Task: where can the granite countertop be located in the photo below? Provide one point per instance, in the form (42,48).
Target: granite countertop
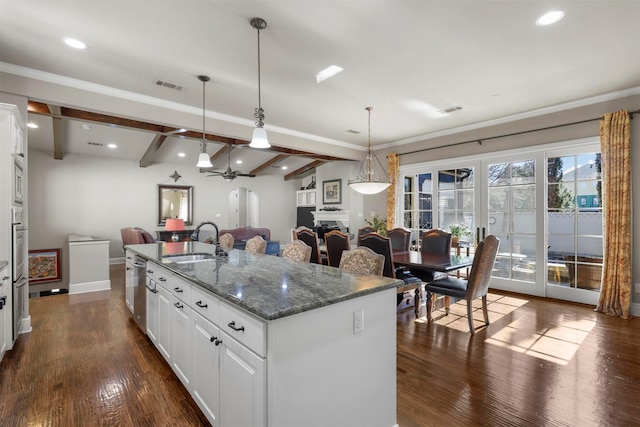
(268,286)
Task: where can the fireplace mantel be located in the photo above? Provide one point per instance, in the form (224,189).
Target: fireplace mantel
(342,216)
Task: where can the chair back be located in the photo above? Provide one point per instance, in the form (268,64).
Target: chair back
(362,260)
(380,245)
(436,241)
(483,261)
(297,251)
(226,241)
(310,237)
(364,231)
(336,242)
(400,239)
(256,245)
(131,236)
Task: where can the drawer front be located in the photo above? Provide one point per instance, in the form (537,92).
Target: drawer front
(205,304)
(153,271)
(180,289)
(244,328)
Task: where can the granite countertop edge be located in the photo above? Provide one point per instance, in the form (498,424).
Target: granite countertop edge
(265,285)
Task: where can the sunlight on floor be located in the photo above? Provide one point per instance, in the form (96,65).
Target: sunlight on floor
(556,342)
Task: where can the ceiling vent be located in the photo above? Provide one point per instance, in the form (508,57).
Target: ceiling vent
(168,85)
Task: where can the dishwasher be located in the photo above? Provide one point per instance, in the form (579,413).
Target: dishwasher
(140,292)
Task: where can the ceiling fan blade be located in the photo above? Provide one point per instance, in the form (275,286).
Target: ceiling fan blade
(215,173)
(250,175)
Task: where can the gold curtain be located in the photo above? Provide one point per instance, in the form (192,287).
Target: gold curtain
(393,170)
(615,141)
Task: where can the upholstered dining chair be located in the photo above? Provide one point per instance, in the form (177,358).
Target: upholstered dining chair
(476,286)
(364,231)
(382,245)
(336,241)
(310,237)
(400,239)
(297,251)
(256,245)
(434,241)
(226,241)
(362,260)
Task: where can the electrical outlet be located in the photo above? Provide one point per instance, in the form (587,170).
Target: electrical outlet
(358,321)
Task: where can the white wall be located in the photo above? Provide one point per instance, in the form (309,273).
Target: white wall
(97,197)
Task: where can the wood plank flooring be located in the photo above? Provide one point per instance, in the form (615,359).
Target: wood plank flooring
(540,363)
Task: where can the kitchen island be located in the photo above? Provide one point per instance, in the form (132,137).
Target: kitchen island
(264,341)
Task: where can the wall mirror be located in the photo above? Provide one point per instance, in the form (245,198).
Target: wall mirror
(175,201)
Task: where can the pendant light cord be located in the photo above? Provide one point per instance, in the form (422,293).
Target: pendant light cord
(259,86)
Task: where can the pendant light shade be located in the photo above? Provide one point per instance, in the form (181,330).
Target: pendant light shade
(259,139)
(370,177)
(204,161)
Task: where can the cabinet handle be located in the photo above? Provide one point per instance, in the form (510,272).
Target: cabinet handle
(233,326)
(177,289)
(212,339)
(150,271)
(162,279)
(178,305)
(218,342)
(128,257)
(3,301)
(128,268)
(200,304)
(5,278)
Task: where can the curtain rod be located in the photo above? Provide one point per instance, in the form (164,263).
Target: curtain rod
(480,140)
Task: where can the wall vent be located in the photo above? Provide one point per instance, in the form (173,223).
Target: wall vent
(168,85)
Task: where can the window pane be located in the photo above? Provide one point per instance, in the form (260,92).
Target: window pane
(560,245)
(446,179)
(465,199)
(499,174)
(590,247)
(590,223)
(560,196)
(408,184)
(523,172)
(446,200)
(524,197)
(560,169)
(464,178)
(588,166)
(500,223)
(499,198)
(425,183)
(524,221)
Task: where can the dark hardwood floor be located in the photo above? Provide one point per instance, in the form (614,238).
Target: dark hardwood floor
(540,363)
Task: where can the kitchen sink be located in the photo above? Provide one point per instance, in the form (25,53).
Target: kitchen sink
(189,258)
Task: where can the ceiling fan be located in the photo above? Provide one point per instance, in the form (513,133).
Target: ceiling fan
(229,175)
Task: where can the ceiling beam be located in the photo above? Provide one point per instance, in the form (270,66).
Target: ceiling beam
(304,170)
(270,162)
(148,155)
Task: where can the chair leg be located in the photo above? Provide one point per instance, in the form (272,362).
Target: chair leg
(416,302)
(484,310)
(447,304)
(470,318)
(429,306)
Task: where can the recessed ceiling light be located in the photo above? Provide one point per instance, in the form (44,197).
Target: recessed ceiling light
(328,72)
(112,145)
(86,126)
(32,125)
(239,162)
(181,154)
(284,168)
(74,43)
(550,18)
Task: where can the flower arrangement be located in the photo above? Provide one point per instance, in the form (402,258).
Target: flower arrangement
(459,230)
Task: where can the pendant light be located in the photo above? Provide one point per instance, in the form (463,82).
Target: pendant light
(259,139)
(370,178)
(204,161)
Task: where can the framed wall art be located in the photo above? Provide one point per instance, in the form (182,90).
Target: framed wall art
(44,266)
(332,192)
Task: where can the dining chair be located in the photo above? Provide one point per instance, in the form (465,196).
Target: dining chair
(297,251)
(226,241)
(362,260)
(400,239)
(476,286)
(434,241)
(363,231)
(336,241)
(256,245)
(382,245)
(310,237)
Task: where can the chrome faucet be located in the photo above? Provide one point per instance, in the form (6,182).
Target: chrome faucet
(194,237)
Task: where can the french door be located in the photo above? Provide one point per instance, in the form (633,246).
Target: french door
(542,204)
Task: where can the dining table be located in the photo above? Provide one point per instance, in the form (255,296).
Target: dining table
(416,260)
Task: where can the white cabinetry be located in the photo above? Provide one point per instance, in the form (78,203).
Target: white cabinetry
(206,367)
(306,197)
(5,311)
(129,280)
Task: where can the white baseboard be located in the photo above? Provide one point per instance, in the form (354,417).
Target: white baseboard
(81,288)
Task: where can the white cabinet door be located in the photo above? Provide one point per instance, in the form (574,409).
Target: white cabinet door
(164,330)
(242,385)
(206,367)
(152,311)
(181,324)
(129,278)
(5,311)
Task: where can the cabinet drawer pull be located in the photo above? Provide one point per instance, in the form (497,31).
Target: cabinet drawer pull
(162,279)
(233,326)
(218,342)
(155,291)
(200,304)
(215,340)
(150,271)
(128,268)
(177,289)
(178,305)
